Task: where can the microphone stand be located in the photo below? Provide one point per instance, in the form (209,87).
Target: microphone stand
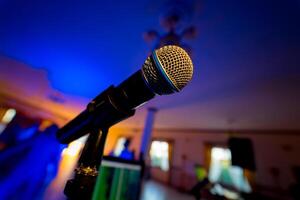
(97,125)
(83,183)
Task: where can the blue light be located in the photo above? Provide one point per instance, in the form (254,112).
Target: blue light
(84,47)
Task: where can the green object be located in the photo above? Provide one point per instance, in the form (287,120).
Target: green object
(200,173)
(118,181)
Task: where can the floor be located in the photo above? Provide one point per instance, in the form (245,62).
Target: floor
(156,191)
(152,190)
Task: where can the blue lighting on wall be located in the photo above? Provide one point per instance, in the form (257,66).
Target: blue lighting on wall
(84,47)
(87,46)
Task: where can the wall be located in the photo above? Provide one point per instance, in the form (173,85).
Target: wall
(279,149)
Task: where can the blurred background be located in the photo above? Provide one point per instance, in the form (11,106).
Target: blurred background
(232,133)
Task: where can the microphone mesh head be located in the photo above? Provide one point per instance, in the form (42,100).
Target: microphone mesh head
(177,65)
(168,70)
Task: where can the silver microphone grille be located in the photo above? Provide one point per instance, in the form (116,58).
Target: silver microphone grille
(168,70)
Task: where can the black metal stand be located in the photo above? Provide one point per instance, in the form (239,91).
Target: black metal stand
(111,106)
(82,186)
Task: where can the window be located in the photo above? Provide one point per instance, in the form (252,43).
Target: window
(222,171)
(159,155)
(119,146)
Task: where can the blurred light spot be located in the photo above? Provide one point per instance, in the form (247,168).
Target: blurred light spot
(74,147)
(9,115)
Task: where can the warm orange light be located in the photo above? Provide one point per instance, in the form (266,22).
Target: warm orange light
(45,124)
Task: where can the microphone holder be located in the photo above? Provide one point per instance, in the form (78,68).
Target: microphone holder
(86,172)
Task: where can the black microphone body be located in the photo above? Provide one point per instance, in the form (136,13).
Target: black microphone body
(110,107)
(166,71)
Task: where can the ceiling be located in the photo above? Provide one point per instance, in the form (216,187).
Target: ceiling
(57,55)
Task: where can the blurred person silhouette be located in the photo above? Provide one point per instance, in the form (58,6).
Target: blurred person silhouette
(8,136)
(126,153)
(202,179)
(12,139)
(18,130)
(35,170)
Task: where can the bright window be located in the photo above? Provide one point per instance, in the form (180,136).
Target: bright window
(119,146)
(222,171)
(159,155)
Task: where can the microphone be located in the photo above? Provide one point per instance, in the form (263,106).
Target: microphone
(166,71)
